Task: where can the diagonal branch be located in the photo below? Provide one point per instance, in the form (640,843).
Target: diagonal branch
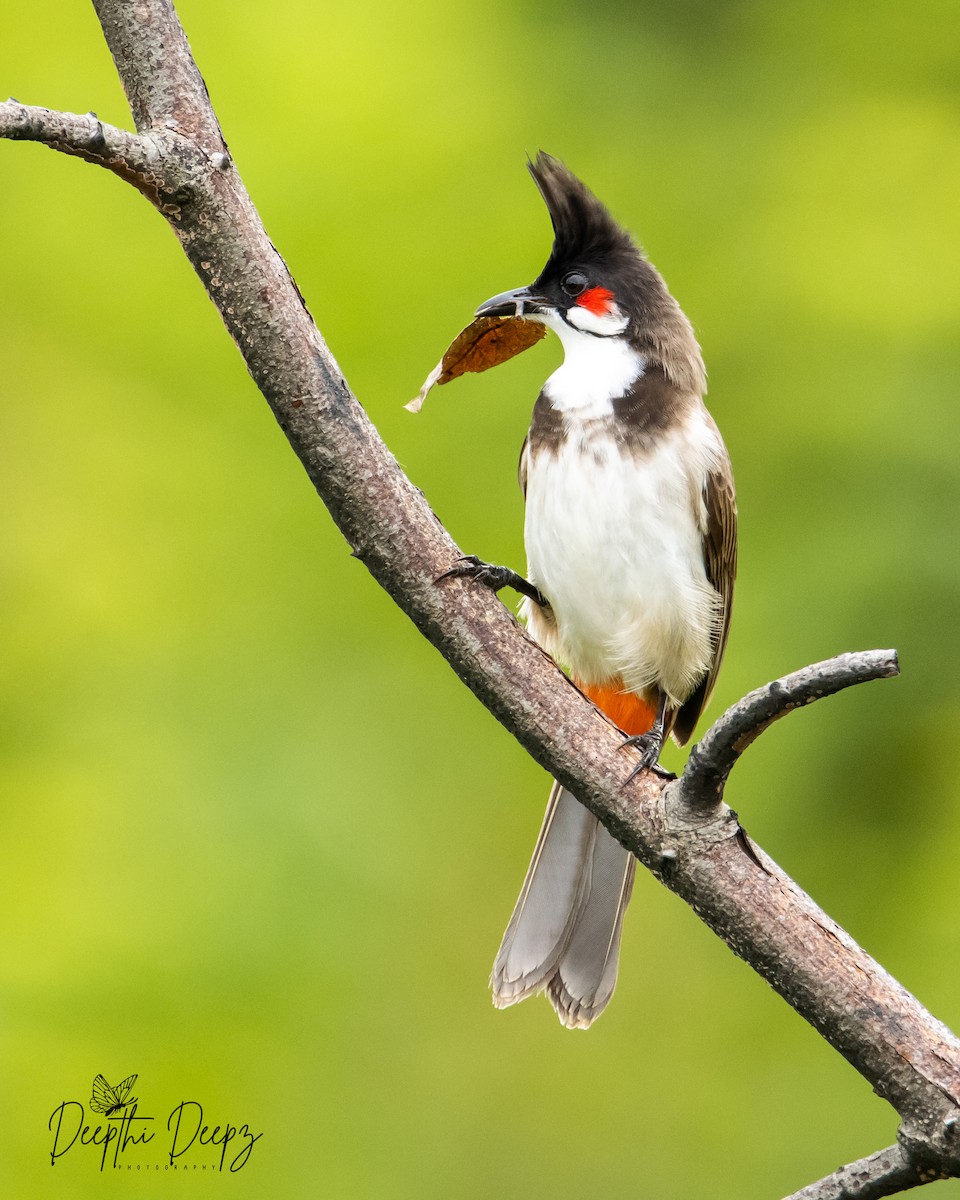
(699,852)
(163,86)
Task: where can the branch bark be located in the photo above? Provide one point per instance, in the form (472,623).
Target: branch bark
(882,1174)
(682,831)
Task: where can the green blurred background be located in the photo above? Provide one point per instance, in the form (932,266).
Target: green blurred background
(259,844)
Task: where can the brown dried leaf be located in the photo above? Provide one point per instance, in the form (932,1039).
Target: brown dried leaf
(485,343)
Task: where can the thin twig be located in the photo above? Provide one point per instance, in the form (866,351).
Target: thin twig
(83,135)
(714,756)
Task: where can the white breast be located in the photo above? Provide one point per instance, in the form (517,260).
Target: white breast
(595,369)
(614,540)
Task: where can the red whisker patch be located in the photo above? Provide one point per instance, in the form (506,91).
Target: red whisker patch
(598,300)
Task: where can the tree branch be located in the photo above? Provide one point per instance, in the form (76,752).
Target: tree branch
(695,847)
(882,1174)
(713,758)
(160,79)
(131,157)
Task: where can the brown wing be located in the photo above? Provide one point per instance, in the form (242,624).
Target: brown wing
(522,466)
(720,560)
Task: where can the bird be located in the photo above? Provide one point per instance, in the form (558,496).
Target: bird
(630,531)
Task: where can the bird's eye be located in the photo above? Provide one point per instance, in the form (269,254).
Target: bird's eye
(573,283)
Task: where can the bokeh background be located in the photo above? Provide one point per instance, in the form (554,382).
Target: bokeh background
(258,843)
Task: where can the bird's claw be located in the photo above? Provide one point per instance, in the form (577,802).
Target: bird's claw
(469,566)
(650,745)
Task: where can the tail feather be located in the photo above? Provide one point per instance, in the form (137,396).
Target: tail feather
(551,896)
(587,973)
(564,934)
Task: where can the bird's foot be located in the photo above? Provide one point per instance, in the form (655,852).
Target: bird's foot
(493,577)
(650,745)
(472,567)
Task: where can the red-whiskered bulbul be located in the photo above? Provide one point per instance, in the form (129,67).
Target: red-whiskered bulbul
(631,540)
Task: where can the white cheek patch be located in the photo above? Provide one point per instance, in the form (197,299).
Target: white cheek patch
(609,324)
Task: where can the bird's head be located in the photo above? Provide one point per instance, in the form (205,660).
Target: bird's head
(597,283)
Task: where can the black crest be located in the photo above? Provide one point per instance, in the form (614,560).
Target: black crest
(583,229)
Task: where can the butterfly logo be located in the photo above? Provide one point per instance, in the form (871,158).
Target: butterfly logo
(110,1100)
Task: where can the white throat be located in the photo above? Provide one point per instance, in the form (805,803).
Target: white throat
(596,370)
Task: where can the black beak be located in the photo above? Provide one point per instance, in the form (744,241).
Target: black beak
(521,302)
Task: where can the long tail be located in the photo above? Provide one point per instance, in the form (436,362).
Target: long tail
(564,934)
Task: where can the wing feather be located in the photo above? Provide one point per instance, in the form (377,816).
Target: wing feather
(720,560)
